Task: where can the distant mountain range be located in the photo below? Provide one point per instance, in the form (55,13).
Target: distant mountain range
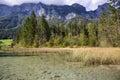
(11,16)
(63,11)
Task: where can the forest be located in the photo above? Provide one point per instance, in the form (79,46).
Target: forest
(104,32)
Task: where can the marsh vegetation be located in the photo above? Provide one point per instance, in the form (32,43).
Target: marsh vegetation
(87,56)
(53,66)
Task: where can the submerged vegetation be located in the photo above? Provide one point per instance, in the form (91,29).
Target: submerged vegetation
(53,67)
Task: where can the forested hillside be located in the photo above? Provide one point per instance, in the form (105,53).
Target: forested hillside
(9,25)
(105,32)
(14,16)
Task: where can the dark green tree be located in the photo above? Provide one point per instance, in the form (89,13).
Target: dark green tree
(114,27)
(83,39)
(92,34)
(103,25)
(43,30)
(28,31)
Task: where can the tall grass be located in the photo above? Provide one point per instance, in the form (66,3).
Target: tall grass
(34,51)
(86,56)
(96,56)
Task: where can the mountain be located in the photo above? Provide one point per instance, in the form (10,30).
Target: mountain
(63,11)
(11,16)
(117,4)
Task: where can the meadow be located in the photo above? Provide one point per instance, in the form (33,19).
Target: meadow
(5,43)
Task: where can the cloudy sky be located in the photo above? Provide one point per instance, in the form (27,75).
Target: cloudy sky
(89,4)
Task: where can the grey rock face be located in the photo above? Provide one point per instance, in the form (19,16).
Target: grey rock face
(63,11)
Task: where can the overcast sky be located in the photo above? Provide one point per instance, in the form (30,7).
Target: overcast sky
(89,4)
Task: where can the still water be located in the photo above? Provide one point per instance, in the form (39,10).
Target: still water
(51,68)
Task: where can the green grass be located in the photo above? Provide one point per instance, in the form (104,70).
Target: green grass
(6,43)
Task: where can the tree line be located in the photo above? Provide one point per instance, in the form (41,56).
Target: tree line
(103,33)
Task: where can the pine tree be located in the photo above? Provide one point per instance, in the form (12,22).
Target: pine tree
(25,33)
(103,25)
(109,26)
(92,36)
(83,39)
(43,30)
(32,28)
(28,31)
(114,28)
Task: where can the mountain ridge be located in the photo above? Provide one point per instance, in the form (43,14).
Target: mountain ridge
(48,10)
(12,16)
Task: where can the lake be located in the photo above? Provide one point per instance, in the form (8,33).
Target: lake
(47,67)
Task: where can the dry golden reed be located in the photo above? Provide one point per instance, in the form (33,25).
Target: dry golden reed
(87,56)
(96,56)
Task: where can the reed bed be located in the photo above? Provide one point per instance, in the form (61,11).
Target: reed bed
(96,56)
(33,51)
(87,56)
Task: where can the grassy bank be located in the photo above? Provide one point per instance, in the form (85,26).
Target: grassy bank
(87,56)
(96,56)
(5,43)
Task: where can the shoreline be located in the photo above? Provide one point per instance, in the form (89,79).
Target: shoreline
(17,51)
(88,56)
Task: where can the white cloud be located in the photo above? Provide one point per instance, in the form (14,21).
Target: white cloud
(89,4)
